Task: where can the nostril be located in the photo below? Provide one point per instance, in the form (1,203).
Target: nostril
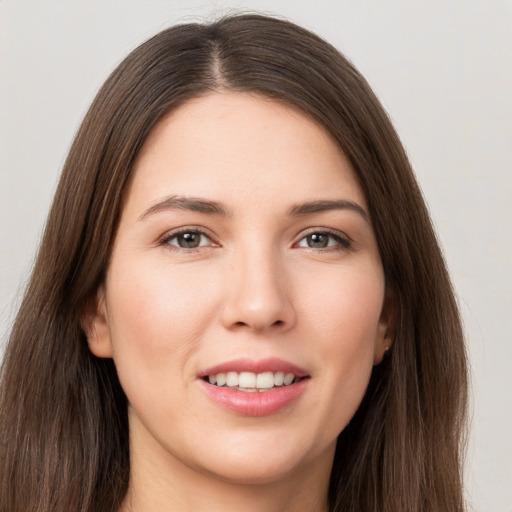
(277,323)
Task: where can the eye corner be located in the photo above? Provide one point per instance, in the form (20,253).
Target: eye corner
(321,239)
(192,239)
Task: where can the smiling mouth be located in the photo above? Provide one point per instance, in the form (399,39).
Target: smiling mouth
(253,382)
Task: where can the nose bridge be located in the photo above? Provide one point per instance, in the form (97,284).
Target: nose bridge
(258,290)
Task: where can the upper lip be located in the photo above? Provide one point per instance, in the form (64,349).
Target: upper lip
(271,364)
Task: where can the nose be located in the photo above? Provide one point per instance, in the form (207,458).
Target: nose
(258,293)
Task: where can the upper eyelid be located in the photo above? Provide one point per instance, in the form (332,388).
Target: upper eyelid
(324,230)
(343,241)
(186,229)
(304,233)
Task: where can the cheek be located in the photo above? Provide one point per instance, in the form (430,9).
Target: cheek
(156,316)
(344,326)
(345,305)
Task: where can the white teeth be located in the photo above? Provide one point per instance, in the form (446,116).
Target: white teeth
(265,380)
(249,381)
(232,379)
(288,378)
(278,378)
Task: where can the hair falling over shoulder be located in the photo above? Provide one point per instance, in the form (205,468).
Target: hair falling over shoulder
(63,414)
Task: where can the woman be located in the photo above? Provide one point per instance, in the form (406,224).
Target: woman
(239,300)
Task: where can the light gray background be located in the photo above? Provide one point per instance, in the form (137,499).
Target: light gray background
(442,69)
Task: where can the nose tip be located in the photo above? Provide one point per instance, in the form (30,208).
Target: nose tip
(258,319)
(258,298)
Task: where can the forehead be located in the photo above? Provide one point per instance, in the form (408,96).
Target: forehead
(242,149)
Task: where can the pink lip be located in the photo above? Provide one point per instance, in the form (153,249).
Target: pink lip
(271,364)
(257,403)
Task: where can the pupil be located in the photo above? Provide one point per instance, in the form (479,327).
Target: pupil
(318,240)
(189,240)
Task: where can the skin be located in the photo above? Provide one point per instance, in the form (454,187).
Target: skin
(253,288)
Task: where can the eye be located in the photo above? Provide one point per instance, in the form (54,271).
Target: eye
(323,240)
(188,239)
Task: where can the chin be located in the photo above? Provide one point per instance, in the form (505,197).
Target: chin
(245,472)
(267,464)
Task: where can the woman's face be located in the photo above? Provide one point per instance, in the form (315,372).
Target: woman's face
(244,253)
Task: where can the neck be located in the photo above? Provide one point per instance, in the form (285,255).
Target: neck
(217,496)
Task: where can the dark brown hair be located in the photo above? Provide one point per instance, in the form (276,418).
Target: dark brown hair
(63,423)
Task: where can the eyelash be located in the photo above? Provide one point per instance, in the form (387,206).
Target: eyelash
(187,230)
(343,242)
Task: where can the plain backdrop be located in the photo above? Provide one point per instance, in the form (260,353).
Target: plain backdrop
(443,70)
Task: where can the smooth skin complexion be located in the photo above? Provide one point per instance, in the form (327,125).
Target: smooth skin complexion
(244,244)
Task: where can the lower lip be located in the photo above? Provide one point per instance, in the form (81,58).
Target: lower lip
(257,403)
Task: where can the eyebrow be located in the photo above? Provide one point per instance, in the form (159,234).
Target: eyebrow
(193,204)
(201,205)
(326,205)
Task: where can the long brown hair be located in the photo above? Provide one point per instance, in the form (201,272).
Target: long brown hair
(63,417)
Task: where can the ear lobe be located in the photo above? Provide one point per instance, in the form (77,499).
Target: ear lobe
(386,329)
(94,322)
